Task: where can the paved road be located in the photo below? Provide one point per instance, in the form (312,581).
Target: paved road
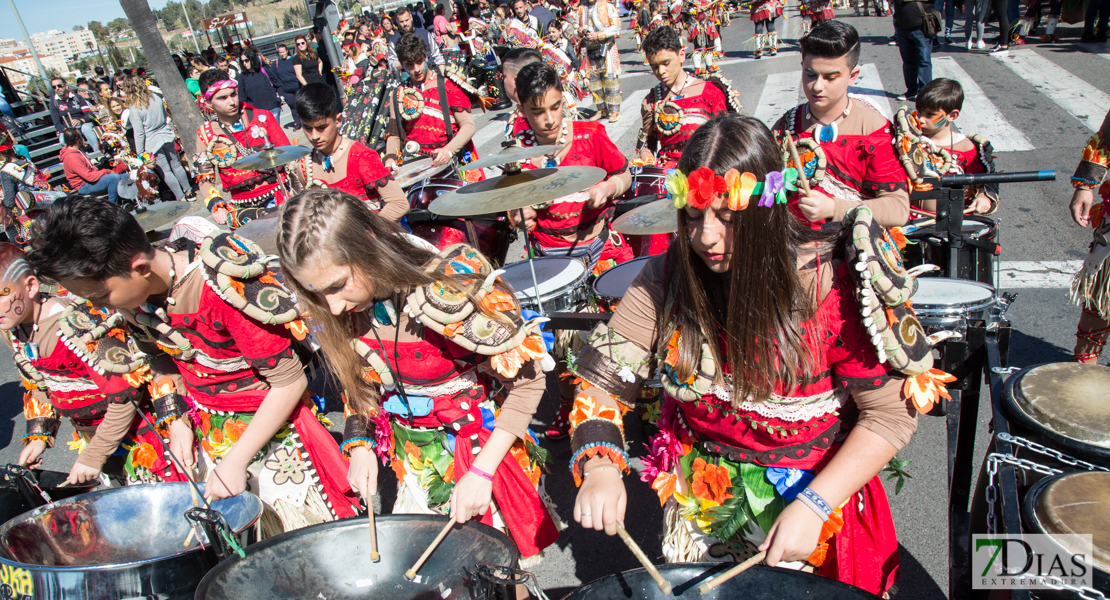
(1038,105)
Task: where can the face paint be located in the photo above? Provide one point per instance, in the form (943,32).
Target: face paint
(16,271)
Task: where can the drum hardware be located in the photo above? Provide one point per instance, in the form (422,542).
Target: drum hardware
(490,580)
(734,571)
(417,170)
(563,283)
(273,157)
(998,311)
(411,573)
(27,484)
(664,585)
(1005,370)
(215,527)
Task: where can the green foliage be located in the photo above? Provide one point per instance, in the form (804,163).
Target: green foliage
(537,454)
(732,517)
(896,469)
(294,17)
(99,31)
(118,25)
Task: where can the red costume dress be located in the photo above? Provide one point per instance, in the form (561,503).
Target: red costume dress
(667,124)
(591,147)
(73,369)
(854,162)
(232,331)
(420,113)
(253,193)
(365,174)
(707,44)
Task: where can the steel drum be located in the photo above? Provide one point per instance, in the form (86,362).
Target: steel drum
(124,542)
(757,583)
(332,560)
(18,497)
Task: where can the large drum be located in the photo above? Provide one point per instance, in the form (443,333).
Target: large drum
(1062,405)
(611,285)
(942,303)
(757,583)
(1074,503)
(647,181)
(332,560)
(973,263)
(129,542)
(492,235)
(562,283)
(22,490)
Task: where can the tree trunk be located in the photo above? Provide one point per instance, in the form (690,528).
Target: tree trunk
(185,114)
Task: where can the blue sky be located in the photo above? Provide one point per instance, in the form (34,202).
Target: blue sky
(59,14)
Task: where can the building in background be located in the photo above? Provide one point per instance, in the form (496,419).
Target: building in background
(66,44)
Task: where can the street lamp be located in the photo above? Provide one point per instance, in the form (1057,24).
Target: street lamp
(192,33)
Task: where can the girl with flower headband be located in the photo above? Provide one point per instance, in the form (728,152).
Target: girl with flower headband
(419,340)
(236,131)
(778,412)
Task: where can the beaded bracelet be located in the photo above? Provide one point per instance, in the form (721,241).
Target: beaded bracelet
(815,502)
(357,442)
(481,473)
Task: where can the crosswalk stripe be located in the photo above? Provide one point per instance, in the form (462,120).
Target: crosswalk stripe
(723,63)
(870,86)
(630,116)
(780,94)
(979,114)
(1080,99)
(487,134)
(1037,273)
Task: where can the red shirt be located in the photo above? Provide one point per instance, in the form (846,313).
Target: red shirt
(428,129)
(248,185)
(694,111)
(365,174)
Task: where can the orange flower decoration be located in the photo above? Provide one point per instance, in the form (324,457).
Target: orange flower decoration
(705,185)
(297,328)
(238,287)
(927,389)
(710,482)
(118,333)
(449,474)
(144,456)
(34,408)
(829,529)
(234,430)
(664,486)
(162,386)
(498,300)
(398,468)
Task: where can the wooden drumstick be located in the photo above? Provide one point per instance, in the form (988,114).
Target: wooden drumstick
(802,179)
(411,573)
(664,585)
(733,572)
(374,556)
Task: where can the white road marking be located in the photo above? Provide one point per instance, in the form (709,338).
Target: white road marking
(1079,98)
(731,61)
(979,114)
(780,94)
(870,86)
(489,133)
(1054,274)
(630,116)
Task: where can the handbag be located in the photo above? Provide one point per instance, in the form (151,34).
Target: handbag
(930,20)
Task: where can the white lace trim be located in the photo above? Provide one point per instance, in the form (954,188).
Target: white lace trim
(838,190)
(59,384)
(787,408)
(451,387)
(227,365)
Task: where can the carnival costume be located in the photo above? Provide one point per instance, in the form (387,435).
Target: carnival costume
(604,61)
(26,190)
(851,160)
(922,158)
(420,118)
(233,332)
(253,193)
(435,359)
(364,174)
(80,363)
(813,12)
(1091,286)
(707,43)
(668,122)
(1025,25)
(764,14)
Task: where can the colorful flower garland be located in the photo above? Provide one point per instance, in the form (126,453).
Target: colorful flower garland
(700,188)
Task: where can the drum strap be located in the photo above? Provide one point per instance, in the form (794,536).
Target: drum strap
(444,107)
(607,215)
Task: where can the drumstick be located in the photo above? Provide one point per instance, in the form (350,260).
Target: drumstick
(374,556)
(664,585)
(802,179)
(733,572)
(411,573)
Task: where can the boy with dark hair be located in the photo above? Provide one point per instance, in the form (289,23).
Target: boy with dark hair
(237,131)
(431,111)
(845,143)
(928,132)
(340,162)
(231,329)
(577,225)
(679,104)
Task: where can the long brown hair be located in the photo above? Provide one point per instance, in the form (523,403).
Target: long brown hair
(137,91)
(762,302)
(308,53)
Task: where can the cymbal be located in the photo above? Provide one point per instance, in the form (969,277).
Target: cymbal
(270,158)
(163,213)
(417,170)
(510,192)
(263,232)
(659,216)
(510,155)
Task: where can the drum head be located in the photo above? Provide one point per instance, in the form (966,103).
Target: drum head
(973,226)
(554,274)
(614,282)
(1069,403)
(417,170)
(945,296)
(1073,503)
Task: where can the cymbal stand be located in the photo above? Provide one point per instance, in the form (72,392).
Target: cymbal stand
(514,169)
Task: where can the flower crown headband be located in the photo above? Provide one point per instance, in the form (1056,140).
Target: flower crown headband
(215,88)
(700,188)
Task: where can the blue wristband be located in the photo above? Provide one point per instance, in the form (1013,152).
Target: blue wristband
(814,500)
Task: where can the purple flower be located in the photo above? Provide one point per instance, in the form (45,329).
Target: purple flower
(772,185)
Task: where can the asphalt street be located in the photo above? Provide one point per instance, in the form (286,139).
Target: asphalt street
(1039,104)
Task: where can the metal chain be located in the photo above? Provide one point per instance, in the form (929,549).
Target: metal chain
(993,460)
(1050,452)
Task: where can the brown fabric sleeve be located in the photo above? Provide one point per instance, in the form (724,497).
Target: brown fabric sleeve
(111,431)
(647,124)
(636,317)
(884,411)
(394,204)
(523,394)
(890,209)
(465,133)
(286,372)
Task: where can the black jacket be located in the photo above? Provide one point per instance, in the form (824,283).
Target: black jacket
(908,15)
(284,75)
(255,89)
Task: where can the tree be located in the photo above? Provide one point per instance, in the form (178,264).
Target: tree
(170,15)
(78,27)
(118,25)
(178,98)
(99,32)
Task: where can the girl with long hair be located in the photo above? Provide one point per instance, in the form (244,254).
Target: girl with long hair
(778,412)
(155,135)
(306,64)
(418,341)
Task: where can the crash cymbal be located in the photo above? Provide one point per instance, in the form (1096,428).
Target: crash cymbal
(162,214)
(510,192)
(417,170)
(263,232)
(271,157)
(659,216)
(510,155)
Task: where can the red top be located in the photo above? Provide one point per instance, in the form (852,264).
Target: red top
(969,160)
(428,130)
(702,34)
(766,9)
(591,147)
(696,111)
(78,169)
(248,185)
(365,174)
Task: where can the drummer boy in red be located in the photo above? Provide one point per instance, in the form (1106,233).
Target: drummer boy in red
(417,112)
(73,368)
(340,162)
(237,131)
(232,331)
(845,143)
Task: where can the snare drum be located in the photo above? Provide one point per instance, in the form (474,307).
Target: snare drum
(647,181)
(973,263)
(562,283)
(612,285)
(1074,503)
(943,303)
(494,233)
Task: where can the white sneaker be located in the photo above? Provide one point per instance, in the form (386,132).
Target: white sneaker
(981,45)
(970,44)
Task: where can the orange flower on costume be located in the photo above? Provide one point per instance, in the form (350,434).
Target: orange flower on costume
(118,333)
(927,389)
(672,351)
(413,453)
(238,287)
(91,346)
(587,407)
(710,482)
(664,486)
(507,363)
(449,474)
(298,329)
(398,468)
(705,185)
(1093,153)
(830,528)
(144,456)
(453,328)
(234,430)
(269,278)
(139,376)
(898,237)
(1096,214)
(33,408)
(161,387)
(498,300)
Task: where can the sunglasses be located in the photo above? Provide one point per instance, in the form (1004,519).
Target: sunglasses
(59,85)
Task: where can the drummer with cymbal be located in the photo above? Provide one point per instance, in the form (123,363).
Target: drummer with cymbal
(430,110)
(340,162)
(237,130)
(576,225)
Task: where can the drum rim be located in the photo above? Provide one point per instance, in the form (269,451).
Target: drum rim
(1011,409)
(933,310)
(598,279)
(522,296)
(1032,519)
(206,582)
